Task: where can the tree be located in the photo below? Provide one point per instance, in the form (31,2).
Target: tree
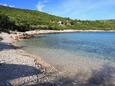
(3,22)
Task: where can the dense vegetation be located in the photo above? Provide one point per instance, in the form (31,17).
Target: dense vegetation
(23,20)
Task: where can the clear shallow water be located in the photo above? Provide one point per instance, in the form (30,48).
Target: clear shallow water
(73,50)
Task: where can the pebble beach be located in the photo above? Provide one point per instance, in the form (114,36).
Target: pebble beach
(18,68)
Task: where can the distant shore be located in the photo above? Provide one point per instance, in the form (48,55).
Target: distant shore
(29,34)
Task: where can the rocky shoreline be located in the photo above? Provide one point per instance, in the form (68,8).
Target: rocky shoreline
(29,34)
(18,68)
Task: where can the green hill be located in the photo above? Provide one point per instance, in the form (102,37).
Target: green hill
(23,20)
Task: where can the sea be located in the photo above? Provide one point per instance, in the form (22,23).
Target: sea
(75,51)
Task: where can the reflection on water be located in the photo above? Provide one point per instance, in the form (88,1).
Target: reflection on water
(74,50)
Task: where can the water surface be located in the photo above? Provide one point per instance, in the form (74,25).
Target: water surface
(74,51)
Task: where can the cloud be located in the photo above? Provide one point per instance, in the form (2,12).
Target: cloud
(41,4)
(3,4)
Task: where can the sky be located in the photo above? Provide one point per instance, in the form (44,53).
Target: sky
(75,9)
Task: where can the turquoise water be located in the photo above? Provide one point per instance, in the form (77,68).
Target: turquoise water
(67,48)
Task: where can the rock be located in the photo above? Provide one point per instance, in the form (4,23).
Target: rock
(1,38)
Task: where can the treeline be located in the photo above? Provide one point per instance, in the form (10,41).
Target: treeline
(7,25)
(23,20)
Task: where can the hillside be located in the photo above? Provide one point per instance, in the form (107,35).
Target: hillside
(23,20)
